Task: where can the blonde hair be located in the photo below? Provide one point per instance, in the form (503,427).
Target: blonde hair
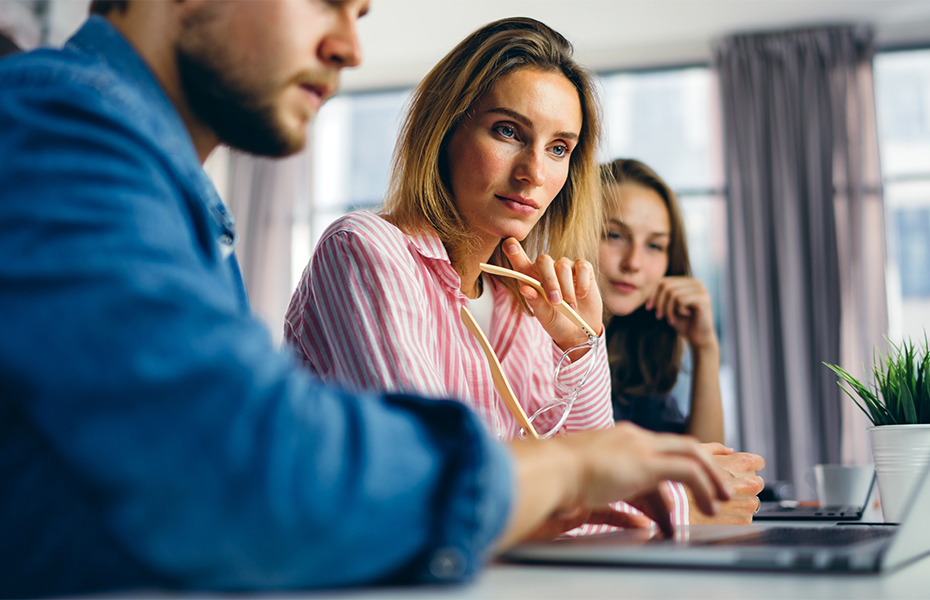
(420,195)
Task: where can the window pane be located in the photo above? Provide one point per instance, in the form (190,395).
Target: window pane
(670,121)
(902,100)
(353,140)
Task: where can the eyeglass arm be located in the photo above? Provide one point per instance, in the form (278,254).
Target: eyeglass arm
(497,373)
(562,307)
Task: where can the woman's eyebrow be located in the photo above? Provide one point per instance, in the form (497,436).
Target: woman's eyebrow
(568,135)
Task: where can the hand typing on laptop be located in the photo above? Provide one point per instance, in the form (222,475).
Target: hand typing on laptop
(586,471)
(742,483)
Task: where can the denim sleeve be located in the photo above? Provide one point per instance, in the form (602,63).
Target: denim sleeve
(134,384)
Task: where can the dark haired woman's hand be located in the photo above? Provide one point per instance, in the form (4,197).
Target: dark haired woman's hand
(685,304)
(564,280)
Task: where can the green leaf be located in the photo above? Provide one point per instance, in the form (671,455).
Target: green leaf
(900,388)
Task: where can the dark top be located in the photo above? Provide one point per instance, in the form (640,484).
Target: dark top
(657,413)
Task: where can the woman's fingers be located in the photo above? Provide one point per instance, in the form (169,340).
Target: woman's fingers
(616,518)
(690,464)
(677,298)
(716,449)
(564,280)
(657,506)
(517,256)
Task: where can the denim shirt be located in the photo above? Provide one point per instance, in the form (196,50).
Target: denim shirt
(150,434)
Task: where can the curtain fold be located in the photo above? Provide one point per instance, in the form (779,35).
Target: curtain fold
(796,131)
(264,196)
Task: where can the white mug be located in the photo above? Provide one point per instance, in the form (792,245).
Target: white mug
(840,485)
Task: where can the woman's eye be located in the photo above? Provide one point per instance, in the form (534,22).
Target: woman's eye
(657,247)
(505,130)
(560,150)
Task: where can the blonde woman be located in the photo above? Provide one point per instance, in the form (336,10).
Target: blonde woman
(495,164)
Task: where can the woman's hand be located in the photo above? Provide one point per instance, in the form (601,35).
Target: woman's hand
(685,304)
(563,481)
(565,280)
(741,481)
(561,522)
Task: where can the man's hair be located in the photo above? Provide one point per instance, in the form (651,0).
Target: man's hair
(7,45)
(645,352)
(103,7)
(420,193)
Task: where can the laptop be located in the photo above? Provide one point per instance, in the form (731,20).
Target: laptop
(855,546)
(788,510)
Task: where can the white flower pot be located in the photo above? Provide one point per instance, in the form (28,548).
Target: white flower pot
(900,453)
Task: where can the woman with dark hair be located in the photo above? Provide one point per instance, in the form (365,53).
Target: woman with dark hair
(654,307)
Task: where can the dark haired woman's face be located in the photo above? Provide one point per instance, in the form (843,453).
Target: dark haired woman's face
(634,249)
(510,157)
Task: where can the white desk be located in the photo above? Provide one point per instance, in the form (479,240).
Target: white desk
(518,582)
(522,582)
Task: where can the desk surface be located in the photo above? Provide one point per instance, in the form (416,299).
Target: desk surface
(523,582)
(519,582)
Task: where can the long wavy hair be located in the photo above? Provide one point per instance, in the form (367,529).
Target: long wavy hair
(420,194)
(644,352)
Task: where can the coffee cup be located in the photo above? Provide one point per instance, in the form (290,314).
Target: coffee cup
(842,485)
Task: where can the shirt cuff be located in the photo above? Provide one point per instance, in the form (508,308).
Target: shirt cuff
(473,506)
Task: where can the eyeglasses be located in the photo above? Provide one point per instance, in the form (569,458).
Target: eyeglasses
(551,418)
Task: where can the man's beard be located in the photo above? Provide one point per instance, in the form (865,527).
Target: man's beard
(238,116)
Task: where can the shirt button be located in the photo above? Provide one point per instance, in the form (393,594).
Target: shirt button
(447,563)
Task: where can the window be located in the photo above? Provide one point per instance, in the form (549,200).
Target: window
(353,141)
(902,97)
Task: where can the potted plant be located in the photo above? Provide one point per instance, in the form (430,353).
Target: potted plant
(897,402)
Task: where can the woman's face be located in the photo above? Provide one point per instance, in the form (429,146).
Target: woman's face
(634,250)
(510,156)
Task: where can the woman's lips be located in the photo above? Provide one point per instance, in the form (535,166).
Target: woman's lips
(623,287)
(519,204)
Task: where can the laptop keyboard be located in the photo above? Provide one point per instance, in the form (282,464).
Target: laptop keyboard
(807,536)
(817,511)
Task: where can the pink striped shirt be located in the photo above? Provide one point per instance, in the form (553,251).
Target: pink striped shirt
(377,309)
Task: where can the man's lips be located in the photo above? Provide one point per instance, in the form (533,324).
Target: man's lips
(316,93)
(518,203)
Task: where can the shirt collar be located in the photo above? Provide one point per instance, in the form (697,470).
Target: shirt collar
(158,115)
(428,245)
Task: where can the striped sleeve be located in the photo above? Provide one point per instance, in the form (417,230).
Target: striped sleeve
(359,315)
(678,514)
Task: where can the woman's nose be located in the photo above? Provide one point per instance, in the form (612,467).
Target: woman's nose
(632,259)
(531,167)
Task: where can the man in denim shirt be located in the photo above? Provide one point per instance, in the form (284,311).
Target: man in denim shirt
(150,435)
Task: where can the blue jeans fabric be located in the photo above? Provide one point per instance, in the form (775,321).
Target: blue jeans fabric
(150,434)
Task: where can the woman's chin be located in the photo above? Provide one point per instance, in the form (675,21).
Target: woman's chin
(621,308)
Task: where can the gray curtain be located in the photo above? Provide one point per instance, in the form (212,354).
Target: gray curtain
(794,133)
(265,197)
